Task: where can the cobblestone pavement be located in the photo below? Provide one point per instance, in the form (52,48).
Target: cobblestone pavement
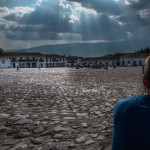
(62,108)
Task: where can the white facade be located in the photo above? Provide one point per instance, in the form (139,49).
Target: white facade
(109,63)
(34,60)
(55,61)
(132,61)
(5,62)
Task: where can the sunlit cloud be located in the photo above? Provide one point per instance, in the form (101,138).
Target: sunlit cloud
(39,2)
(130,35)
(127,2)
(144,13)
(73,18)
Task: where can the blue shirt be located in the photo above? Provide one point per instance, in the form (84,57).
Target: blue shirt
(131,119)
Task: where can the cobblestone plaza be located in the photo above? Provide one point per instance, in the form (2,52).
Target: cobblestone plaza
(62,108)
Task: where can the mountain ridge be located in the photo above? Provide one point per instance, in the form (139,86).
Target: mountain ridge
(85,49)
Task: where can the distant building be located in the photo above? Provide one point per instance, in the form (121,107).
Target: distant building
(105,61)
(34,60)
(55,61)
(73,61)
(5,61)
(109,61)
(132,59)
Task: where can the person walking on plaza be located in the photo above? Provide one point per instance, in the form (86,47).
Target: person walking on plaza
(18,68)
(131,118)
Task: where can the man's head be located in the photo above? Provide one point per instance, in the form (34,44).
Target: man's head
(146,77)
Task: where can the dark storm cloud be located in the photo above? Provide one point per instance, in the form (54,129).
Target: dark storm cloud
(141,4)
(133,17)
(51,20)
(100,27)
(101,6)
(46,22)
(11,17)
(2,27)
(16,3)
(20,35)
(49,15)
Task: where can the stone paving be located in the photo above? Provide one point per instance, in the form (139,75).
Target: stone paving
(62,108)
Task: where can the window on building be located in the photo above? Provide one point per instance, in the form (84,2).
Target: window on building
(113,63)
(3,61)
(122,62)
(134,63)
(128,62)
(13,59)
(140,63)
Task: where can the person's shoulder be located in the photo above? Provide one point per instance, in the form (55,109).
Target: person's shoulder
(129,100)
(123,101)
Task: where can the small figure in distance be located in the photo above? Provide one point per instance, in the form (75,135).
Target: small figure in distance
(143,70)
(131,119)
(18,68)
(39,66)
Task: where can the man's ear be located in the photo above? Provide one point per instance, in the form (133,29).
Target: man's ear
(144,80)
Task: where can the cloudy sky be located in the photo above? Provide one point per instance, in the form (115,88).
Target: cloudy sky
(29,23)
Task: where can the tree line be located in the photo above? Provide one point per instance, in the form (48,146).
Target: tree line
(141,51)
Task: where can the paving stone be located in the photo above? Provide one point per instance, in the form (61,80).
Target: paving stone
(39,130)
(58,129)
(20,146)
(36,140)
(3,128)
(80,139)
(22,135)
(84,125)
(89,142)
(23,121)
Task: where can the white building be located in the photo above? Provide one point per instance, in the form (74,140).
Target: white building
(105,61)
(109,61)
(5,61)
(55,61)
(74,61)
(132,59)
(34,60)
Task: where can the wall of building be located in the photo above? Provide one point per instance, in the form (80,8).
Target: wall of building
(5,62)
(132,61)
(43,62)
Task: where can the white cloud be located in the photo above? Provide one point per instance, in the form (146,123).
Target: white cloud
(127,2)
(144,13)
(130,34)
(38,3)
(73,18)
(20,11)
(115,19)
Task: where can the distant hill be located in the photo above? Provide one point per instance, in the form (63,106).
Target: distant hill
(87,49)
